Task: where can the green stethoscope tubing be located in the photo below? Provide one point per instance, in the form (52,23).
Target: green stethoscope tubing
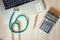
(15,22)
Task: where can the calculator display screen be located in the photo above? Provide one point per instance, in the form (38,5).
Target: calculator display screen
(13,3)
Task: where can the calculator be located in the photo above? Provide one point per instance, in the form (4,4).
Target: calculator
(13,3)
(48,21)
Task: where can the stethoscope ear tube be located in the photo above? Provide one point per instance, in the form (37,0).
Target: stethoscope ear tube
(15,22)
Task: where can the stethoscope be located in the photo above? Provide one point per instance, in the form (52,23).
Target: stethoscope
(11,25)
